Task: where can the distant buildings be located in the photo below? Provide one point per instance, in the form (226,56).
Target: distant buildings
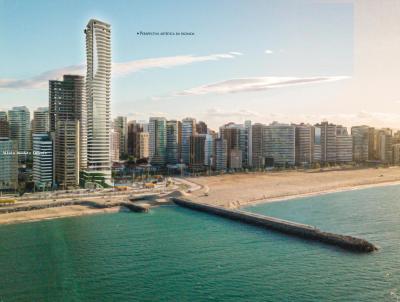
(98,93)
(43,164)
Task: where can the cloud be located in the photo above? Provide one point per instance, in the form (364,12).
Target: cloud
(119,69)
(241,113)
(269,52)
(255,84)
(236,53)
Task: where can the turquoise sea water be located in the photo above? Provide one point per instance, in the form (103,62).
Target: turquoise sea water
(175,254)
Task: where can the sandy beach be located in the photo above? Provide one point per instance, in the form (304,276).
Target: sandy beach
(236,190)
(53,213)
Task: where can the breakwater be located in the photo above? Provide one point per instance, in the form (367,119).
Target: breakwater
(87,203)
(283,226)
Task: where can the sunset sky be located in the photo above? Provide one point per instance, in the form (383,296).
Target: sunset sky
(291,61)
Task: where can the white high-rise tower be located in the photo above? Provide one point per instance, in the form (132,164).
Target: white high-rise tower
(98,79)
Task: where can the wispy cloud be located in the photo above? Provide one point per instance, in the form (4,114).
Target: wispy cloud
(255,84)
(118,69)
(269,51)
(241,113)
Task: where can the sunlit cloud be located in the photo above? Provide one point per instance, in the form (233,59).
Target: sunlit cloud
(255,84)
(118,69)
(269,51)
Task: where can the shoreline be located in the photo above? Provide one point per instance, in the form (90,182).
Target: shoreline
(236,191)
(318,193)
(54,213)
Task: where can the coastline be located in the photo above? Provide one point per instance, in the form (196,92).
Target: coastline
(241,190)
(318,193)
(54,213)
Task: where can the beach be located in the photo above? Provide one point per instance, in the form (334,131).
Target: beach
(236,190)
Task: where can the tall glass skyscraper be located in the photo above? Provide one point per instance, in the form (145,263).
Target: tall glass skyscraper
(98,80)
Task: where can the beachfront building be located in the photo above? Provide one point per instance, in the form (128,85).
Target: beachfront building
(40,122)
(208,149)
(279,144)
(20,131)
(197,147)
(361,143)
(188,129)
(115,136)
(201,128)
(4,125)
(98,93)
(305,142)
(385,145)
(8,164)
(396,154)
(67,102)
(158,141)
(121,126)
(344,145)
(257,139)
(220,154)
(143,145)
(66,153)
(248,143)
(134,130)
(327,134)
(174,132)
(43,164)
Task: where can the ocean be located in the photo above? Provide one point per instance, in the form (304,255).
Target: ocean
(176,254)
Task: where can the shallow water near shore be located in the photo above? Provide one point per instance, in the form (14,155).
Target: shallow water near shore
(175,254)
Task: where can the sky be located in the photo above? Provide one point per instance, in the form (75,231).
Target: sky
(284,60)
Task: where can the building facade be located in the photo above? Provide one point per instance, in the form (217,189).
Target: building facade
(305,142)
(98,93)
(279,144)
(20,130)
(40,122)
(188,129)
(174,132)
(8,164)
(158,141)
(43,164)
